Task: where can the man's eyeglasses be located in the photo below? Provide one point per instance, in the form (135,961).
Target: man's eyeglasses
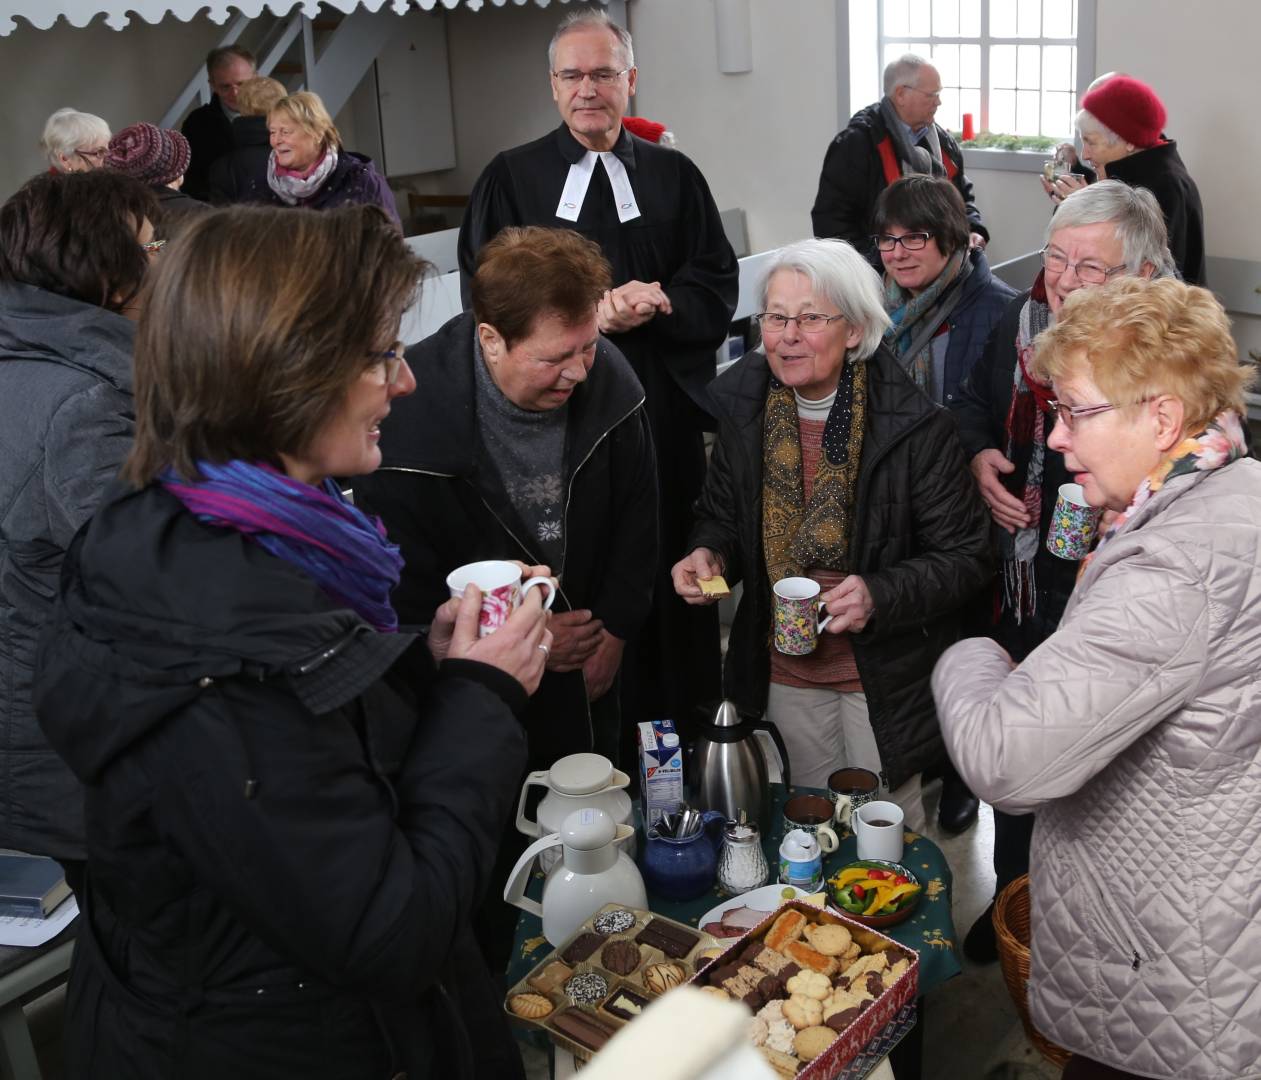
(1092,273)
(912,241)
(810,322)
(934,94)
(1070,413)
(390,361)
(93,157)
(600,77)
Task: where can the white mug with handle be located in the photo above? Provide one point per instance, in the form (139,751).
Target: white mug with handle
(502,590)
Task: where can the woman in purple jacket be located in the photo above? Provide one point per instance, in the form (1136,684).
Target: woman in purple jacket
(310,167)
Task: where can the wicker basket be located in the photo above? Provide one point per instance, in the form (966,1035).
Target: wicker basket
(1011,926)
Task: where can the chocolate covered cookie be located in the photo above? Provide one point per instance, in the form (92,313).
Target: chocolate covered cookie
(581,948)
(620,957)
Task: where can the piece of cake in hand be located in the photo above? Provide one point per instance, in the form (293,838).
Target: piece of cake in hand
(715,586)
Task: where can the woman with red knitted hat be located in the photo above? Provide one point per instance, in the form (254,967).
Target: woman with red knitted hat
(1122,132)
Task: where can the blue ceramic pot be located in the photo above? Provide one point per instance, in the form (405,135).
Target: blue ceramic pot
(683,869)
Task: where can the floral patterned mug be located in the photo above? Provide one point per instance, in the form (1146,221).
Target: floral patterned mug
(1073,524)
(502,590)
(797,622)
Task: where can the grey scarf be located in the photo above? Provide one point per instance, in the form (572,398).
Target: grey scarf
(914,159)
(295,189)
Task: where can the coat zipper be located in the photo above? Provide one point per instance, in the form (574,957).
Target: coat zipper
(1119,928)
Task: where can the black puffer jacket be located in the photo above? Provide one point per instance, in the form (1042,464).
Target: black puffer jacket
(290,817)
(919,542)
(240,175)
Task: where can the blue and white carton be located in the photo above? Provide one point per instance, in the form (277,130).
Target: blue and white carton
(660,769)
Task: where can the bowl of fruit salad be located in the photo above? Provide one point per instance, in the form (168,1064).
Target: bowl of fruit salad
(875,893)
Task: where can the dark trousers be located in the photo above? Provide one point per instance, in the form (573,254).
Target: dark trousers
(1012,835)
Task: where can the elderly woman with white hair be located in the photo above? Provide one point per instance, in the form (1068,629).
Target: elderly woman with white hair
(1134,731)
(75,141)
(1099,233)
(1121,124)
(831,464)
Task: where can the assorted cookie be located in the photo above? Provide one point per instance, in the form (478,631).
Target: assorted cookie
(530,1006)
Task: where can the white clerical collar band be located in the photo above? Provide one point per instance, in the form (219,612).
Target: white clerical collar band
(579,179)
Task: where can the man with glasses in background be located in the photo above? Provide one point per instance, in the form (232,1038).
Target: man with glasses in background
(893,138)
(208,129)
(675,283)
(1005,415)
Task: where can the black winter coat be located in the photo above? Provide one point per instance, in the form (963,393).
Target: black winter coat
(240,175)
(1160,169)
(209,134)
(854,174)
(443,504)
(919,541)
(981,413)
(289,817)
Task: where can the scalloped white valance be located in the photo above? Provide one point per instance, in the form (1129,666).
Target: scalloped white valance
(43,13)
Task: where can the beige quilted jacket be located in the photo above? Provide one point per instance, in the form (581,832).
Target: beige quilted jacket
(1134,732)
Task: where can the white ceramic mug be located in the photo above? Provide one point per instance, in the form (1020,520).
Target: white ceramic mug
(878,826)
(502,590)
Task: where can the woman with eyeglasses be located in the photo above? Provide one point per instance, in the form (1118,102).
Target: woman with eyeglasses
(1099,233)
(1134,730)
(72,262)
(830,464)
(293,802)
(75,141)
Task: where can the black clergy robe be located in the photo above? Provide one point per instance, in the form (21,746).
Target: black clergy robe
(677,240)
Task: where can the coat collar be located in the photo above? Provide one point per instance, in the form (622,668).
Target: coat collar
(435,429)
(573,151)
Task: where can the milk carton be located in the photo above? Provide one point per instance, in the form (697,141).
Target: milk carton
(660,769)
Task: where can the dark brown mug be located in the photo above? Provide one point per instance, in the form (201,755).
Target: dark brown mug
(849,789)
(812,814)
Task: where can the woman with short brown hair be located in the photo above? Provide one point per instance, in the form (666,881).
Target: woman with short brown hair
(1134,730)
(310,167)
(285,841)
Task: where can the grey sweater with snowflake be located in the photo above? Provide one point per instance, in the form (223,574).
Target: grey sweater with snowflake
(527,450)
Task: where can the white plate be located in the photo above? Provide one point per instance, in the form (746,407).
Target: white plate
(767,898)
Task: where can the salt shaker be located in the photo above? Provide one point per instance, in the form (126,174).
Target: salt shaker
(741,865)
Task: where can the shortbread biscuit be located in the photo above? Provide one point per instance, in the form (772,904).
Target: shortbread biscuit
(530,1006)
(828,939)
(812,1041)
(803,1012)
(811,984)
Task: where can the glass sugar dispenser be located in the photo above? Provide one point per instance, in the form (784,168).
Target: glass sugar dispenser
(741,864)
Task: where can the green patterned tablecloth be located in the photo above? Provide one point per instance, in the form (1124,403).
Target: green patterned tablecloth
(930,931)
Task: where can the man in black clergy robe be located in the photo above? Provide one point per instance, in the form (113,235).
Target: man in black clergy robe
(676,282)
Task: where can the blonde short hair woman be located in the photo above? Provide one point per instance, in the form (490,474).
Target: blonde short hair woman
(1134,730)
(308,165)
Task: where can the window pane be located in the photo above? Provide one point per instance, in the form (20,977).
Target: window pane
(892,51)
(1029,18)
(1059,18)
(1003,66)
(1002,18)
(921,18)
(1027,112)
(946,61)
(1057,67)
(970,65)
(1057,119)
(948,111)
(946,18)
(970,102)
(1029,67)
(1003,111)
(970,18)
(895,23)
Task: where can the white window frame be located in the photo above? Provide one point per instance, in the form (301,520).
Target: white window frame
(974,157)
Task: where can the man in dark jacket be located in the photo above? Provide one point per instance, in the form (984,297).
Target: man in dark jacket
(887,140)
(208,128)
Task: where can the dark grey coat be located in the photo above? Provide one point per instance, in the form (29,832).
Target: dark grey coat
(66,423)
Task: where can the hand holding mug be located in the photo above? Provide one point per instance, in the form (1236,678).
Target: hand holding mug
(520,647)
(699,563)
(850,605)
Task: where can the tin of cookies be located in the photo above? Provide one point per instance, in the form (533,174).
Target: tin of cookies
(620,957)
(812,1041)
(530,1006)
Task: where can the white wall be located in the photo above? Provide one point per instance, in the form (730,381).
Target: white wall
(1015,209)
(124,76)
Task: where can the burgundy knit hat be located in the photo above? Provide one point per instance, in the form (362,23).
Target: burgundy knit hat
(1130,108)
(149,153)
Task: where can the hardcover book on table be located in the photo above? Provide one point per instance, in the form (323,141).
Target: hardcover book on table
(30,886)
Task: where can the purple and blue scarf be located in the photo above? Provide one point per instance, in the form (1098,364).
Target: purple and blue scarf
(313,528)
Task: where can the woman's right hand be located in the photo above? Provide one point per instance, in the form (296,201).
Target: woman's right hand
(1009,512)
(699,563)
(519,648)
